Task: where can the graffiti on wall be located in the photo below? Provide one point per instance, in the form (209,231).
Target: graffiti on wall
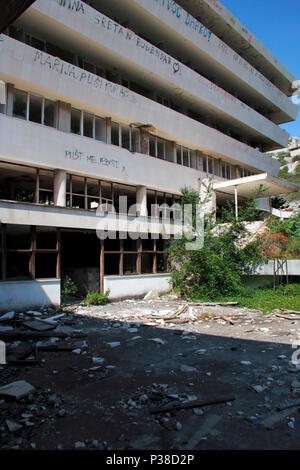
(73,5)
(56,65)
(77,155)
(131,37)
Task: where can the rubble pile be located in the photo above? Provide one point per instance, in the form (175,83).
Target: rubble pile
(149,374)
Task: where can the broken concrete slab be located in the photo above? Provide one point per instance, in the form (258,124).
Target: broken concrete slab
(39,325)
(17,390)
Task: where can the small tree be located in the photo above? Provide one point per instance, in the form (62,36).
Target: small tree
(216,268)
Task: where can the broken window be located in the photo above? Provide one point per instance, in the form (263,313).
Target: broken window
(75,121)
(115,133)
(35,108)
(126,137)
(50,113)
(20,104)
(25,256)
(88,125)
(100,129)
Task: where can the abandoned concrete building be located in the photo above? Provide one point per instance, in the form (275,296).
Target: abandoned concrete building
(135,98)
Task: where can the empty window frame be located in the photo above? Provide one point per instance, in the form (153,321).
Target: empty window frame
(34,108)
(127,257)
(83,193)
(115,134)
(29,252)
(26,184)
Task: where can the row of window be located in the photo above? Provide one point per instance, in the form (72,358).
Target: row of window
(119,77)
(32,252)
(28,184)
(44,111)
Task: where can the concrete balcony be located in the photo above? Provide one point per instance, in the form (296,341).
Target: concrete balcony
(37,72)
(101,39)
(184,36)
(224,24)
(23,213)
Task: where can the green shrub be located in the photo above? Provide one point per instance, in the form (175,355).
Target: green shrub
(216,268)
(68,287)
(96,298)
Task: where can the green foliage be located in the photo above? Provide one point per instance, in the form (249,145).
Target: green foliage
(96,298)
(218,266)
(68,287)
(289,227)
(293,178)
(285,297)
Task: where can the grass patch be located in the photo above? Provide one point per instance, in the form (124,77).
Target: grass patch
(285,297)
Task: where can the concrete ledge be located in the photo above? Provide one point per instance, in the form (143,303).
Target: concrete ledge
(267,269)
(137,285)
(22,295)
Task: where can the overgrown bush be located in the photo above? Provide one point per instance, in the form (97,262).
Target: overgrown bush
(68,287)
(96,298)
(215,269)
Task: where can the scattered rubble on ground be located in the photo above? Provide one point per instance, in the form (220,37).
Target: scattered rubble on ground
(156,373)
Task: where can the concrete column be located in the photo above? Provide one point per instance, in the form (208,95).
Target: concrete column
(141,200)
(64,116)
(60,186)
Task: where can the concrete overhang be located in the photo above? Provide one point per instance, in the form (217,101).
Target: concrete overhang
(224,24)
(250,185)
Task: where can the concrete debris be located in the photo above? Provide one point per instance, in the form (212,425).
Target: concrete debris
(7,316)
(152,389)
(13,426)
(17,390)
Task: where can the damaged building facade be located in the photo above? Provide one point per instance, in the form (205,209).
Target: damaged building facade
(135,98)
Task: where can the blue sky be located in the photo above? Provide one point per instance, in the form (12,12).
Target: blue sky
(276,23)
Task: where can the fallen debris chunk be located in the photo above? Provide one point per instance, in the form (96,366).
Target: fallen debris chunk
(17,390)
(39,325)
(178,312)
(158,340)
(213,303)
(13,426)
(193,404)
(7,316)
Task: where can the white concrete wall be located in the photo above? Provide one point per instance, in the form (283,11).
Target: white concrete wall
(266,269)
(22,295)
(98,34)
(51,216)
(35,142)
(172,19)
(233,23)
(136,286)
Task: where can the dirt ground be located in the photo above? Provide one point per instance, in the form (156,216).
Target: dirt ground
(225,377)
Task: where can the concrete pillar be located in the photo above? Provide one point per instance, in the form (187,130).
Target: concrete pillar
(141,201)
(64,116)
(60,186)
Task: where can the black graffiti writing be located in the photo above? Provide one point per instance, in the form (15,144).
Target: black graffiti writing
(76,155)
(74,5)
(138,41)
